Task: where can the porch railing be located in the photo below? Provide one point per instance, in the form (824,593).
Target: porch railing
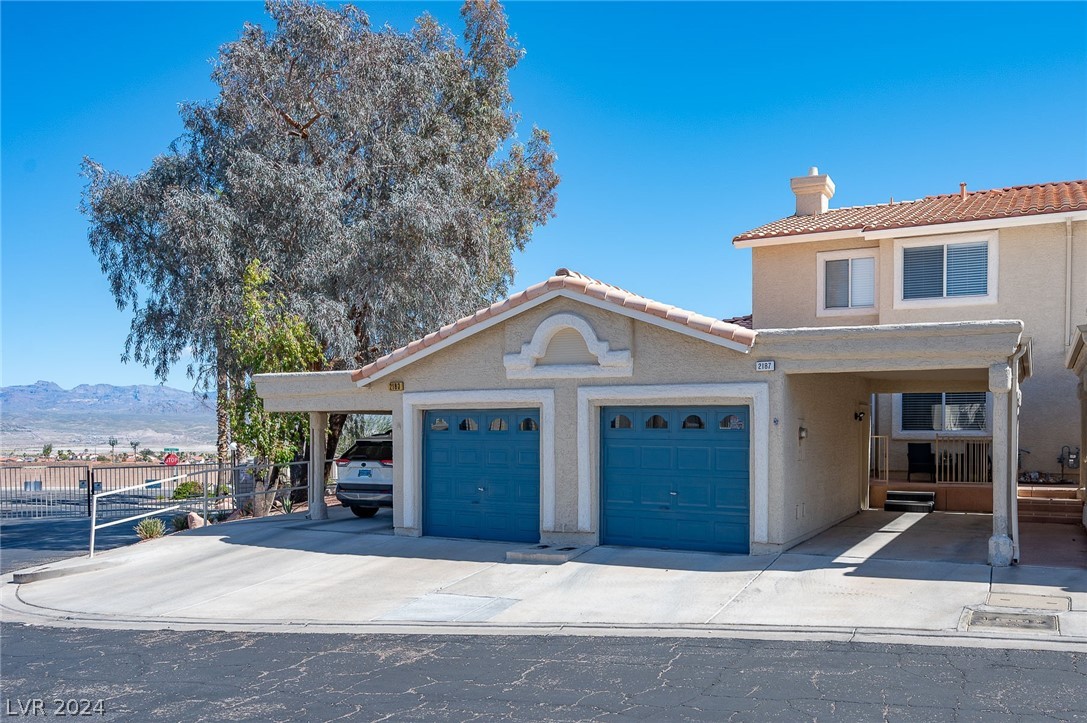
(964,460)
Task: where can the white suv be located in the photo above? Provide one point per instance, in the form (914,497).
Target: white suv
(365,475)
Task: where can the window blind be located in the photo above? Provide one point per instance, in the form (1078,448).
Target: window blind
(923,272)
(836,284)
(964,411)
(949,412)
(862,282)
(922,412)
(968,269)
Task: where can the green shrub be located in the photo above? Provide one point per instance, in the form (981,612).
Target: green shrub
(187,490)
(150,528)
(180,522)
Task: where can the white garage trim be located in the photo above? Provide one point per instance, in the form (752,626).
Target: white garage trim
(415,403)
(755,395)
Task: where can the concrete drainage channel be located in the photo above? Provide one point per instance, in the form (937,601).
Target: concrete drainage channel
(545,554)
(1010,612)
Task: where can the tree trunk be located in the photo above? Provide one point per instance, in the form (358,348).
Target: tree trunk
(222,421)
(335,430)
(299,475)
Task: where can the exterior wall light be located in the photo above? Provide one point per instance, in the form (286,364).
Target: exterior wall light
(803,433)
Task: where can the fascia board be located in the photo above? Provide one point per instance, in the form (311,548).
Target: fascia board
(979,225)
(798,238)
(910,231)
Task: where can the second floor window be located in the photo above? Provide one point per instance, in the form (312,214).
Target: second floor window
(847,281)
(945,270)
(850,283)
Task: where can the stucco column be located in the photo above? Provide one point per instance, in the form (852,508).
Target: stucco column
(1000,544)
(318,431)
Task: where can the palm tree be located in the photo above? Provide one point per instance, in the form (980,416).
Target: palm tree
(135,446)
(112,447)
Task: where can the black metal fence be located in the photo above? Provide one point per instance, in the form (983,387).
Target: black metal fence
(41,491)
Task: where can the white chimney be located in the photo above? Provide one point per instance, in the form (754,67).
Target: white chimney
(813,192)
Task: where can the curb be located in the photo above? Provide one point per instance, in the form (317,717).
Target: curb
(49,573)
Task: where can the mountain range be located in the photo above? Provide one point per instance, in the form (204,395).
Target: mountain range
(87,416)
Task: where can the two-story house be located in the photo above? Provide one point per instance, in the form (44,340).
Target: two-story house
(1006,253)
(576,413)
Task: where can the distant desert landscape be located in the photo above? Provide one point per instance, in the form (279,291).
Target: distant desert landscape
(84,418)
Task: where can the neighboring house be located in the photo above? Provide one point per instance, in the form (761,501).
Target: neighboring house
(1006,253)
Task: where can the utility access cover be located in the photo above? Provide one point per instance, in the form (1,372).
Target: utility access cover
(1012,621)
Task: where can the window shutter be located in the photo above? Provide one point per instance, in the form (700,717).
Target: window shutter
(836,285)
(862,283)
(922,412)
(968,269)
(923,272)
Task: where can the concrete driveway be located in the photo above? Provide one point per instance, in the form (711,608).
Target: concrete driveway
(349,574)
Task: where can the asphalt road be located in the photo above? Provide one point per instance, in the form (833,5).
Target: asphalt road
(215,676)
(30,542)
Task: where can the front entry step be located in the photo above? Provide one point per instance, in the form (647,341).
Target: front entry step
(909,501)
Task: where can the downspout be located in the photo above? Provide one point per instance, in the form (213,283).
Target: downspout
(1067,282)
(1013,458)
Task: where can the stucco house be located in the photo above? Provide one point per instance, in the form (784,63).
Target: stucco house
(1007,253)
(576,413)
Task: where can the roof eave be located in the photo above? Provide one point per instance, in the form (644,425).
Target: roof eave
(905,231)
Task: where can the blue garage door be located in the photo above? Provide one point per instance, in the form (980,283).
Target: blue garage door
(481,474)
(675,477)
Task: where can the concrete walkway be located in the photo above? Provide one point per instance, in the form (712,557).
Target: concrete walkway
(878,576)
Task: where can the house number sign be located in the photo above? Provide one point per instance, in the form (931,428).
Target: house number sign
(396,386)
(764,366)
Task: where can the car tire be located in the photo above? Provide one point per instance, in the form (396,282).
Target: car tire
(363,511)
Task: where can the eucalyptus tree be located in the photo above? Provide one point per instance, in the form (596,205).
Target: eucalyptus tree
(378,175)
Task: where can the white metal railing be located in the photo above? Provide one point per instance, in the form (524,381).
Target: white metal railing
(879,454)
(95,527)
(246,474)
(964,459)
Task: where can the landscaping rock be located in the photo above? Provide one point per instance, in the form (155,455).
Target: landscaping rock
(195,521)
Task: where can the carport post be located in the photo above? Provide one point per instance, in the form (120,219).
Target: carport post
(318,430)
(1000,544)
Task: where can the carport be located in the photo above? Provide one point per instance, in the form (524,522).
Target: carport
(576,414)
(858,362)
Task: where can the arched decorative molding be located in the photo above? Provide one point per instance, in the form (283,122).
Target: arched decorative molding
(525,365)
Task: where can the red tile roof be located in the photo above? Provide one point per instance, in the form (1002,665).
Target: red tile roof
(744,321)
(997,203)
(579,283)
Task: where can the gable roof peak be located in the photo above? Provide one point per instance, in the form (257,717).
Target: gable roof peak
(577,284)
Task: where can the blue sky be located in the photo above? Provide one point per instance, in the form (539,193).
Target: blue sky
(677,126)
